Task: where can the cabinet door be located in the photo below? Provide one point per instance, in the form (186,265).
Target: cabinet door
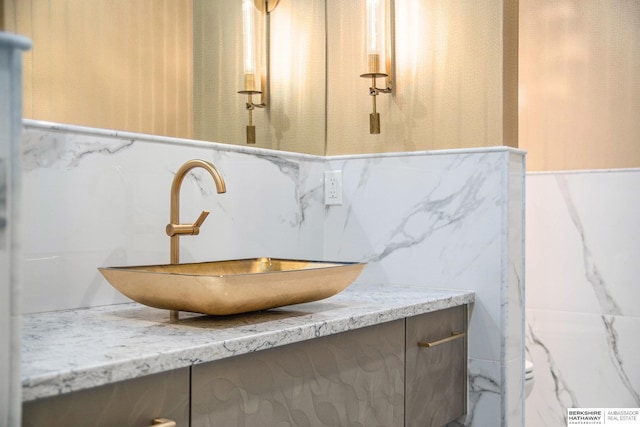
(352,378)
(436,370)
(130,403)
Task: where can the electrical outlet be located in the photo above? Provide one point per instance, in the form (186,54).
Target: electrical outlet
(333,187)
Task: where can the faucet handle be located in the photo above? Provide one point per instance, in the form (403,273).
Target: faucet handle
(199,221)
(192,229)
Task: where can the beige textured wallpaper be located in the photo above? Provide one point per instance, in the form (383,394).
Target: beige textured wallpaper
(294,119)
(2,12)
(562,82)
(142,79)
(580,84)
(454,88)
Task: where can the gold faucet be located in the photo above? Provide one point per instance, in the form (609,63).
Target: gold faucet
(174,228)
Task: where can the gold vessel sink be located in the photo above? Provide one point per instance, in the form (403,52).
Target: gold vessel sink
(232,287)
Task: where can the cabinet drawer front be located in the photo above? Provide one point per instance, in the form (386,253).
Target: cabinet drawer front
(352,378)
(131,403)
(436,367)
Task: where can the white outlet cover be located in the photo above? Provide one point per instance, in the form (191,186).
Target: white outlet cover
(333,187)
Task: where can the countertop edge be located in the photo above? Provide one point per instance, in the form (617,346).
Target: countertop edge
(89,376)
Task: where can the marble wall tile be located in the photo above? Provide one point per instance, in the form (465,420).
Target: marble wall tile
(513,391)
(96,200)
(582,291)
(435,220)
(581,242)
(514,296)
(485,395)
(581,360)
(452,220)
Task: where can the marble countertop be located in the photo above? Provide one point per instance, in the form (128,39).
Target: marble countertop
(72,350)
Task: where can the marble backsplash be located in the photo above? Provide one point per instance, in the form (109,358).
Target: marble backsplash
(583,317)
(95,199)
(451,220)
(443,219)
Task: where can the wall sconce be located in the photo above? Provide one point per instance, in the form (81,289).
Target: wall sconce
(380,46)
(255,56)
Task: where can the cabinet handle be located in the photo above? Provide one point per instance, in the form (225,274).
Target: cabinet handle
(163,422)
(454,336)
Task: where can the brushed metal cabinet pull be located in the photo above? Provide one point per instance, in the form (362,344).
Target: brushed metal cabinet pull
(163,422)
(454,336)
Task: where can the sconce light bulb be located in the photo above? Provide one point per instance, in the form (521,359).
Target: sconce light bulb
(248,36)
(375,26)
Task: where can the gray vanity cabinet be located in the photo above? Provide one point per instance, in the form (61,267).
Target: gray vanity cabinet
(351,378)
(371,376)
(436,367)
(131,403)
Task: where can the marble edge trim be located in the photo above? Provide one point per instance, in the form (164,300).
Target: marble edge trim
(423,153)
(86,130)
(58,383)
(62,127)
(583,171)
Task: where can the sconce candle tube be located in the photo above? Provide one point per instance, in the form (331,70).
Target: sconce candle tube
(375,28)
(249,45)
(253,49)
(378,36)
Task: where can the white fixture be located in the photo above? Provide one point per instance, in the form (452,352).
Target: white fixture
(529,379)
(333,187)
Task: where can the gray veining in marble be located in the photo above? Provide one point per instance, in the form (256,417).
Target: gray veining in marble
(425,219)
(438,211)
(76,349)
(616,358)
(593,275)
(453,219)
(46,152)
(583,292)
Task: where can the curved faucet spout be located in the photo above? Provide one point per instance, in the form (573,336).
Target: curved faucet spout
(174,228)
(177,184)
